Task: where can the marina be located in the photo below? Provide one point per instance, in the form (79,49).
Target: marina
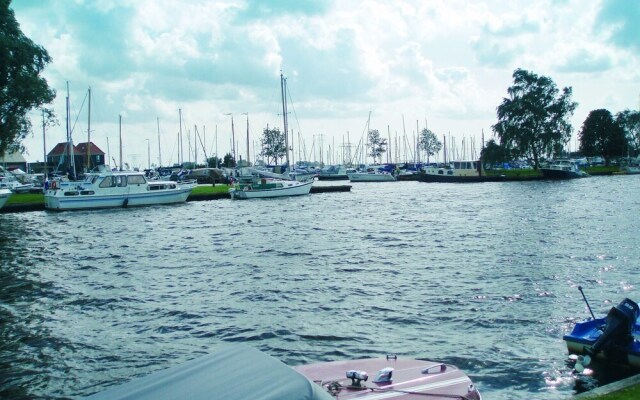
(485,281)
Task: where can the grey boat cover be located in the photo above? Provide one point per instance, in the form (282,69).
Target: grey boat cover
(235,372)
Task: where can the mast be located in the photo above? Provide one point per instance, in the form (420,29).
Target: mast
(180,154)
(159,155)
(72,161)
(120,135)
(247,114)
(283,86)
(44,145)
(89,133)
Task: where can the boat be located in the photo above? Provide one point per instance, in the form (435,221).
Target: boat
(333,173)
(12,183)
(370,174)
(465,171)
(4,196)
(260,188)
(563,169)
(107,189)
(241,372)
(612,339)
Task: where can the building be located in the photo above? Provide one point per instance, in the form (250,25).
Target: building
(86,156)
(11,161)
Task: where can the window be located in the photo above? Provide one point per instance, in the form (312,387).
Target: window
(137,180)
(107,182)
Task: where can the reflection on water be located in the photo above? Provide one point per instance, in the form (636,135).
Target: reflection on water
(483,276)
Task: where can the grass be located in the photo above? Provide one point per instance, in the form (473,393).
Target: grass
(632,392)
(210,189)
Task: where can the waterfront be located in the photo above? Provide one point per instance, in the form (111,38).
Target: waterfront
(483,276)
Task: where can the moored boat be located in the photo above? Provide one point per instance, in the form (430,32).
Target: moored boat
(612,339)
(242,372)
(257,188)
(563,169)
(109,189)
(4,196)
(457,172)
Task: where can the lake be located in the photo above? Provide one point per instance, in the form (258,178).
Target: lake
(483,276)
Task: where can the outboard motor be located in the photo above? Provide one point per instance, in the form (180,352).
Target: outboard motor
(618,330)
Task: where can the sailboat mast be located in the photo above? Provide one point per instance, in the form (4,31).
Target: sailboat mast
(89,133)
(159,154)
(120,135)
(283,85)
(180,154)
(44,145)
(69,140)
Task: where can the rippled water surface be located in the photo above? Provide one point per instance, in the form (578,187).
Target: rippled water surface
(483,276)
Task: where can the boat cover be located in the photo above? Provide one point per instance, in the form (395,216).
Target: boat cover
(235,372)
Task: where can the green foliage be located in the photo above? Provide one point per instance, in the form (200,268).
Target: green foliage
(494,153)
(21,86)
(602,136)
(629,121)
(214,162)
(229,161)
(378,145)
(534,121)
(273,145)
(429,143)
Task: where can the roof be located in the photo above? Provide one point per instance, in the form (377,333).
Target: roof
(236,372)
(82,148)
(12,158)
(60,149)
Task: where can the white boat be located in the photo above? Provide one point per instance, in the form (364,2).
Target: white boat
(4,196)
(258,188)
(563,169)
(370,175)
(10,182)
(109,189)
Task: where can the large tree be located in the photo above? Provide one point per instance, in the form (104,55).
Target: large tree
(493,153)
(273,145)
(629,121)
(429,143)
(21,86)
(602,136)
(378,145)
(533,122)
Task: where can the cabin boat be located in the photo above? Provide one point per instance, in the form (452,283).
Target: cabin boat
(457,172)
(371,174)
(563,169)
(108,189)
(257,188)
(240,372)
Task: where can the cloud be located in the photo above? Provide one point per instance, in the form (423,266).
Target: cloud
(586,61)
(620,20)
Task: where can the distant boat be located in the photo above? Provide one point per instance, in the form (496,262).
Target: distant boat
(333,173)
(457,172)
(109,189)
(371,174)
(260,188)
(4,196)
(241,372)
(563,169)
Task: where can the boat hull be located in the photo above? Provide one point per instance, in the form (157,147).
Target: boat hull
(556,174)
(4,196)
(288,188)
(57,200)
(367,177)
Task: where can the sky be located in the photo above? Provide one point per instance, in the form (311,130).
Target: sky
(396,66)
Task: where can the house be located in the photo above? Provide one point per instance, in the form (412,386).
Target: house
(86,156)
(11,161)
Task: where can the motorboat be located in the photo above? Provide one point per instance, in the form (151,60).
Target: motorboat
(563,169)
(333,173)
(13,184)
(258,188)
(371,174)
(457,172)
(612,339)
(242,372)
(4,196)
(108,189)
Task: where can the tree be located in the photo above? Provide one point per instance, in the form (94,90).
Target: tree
(273,144)
(493,153)
(534,121)
(378,145)
(429,143)
(21,86)
(228,161)
(629,121)
(602,136)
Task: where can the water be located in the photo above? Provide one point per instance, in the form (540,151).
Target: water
(483,276)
